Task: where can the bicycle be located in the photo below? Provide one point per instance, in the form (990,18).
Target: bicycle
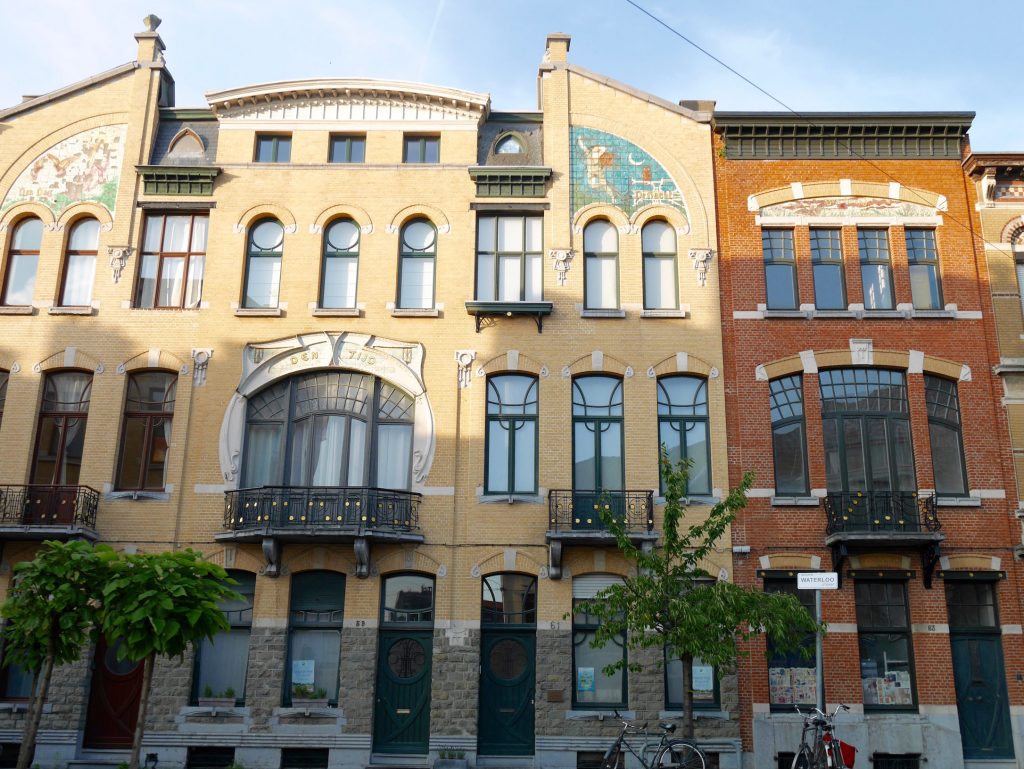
(825,750)
(667,753)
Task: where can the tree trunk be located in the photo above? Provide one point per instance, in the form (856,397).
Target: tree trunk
(35,711)
(140,726)
(687,661)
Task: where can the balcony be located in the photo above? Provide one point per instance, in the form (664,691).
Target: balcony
(48,512)
(274,515)
(574,518)
(883,520)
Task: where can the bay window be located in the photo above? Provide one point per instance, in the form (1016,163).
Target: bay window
(509,258)
(173,261)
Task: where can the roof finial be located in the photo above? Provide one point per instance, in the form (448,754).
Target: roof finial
(152,22)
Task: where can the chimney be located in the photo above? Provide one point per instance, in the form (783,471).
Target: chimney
(151,46)
(556,52)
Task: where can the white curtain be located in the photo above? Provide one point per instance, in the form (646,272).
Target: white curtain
(81,270)
(328,444)
(394,447)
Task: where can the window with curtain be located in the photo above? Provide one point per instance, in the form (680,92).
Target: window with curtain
(511,466)
(597,444)
(509,264)
(946,437)
(591,686)
(60,437)
(875,268)
(792,676)
(601,266)
(329,428)
(779,270)
(683,428)
(315,619)
(661,278)
(80,263)
(341,265)
(827,262)
(173,261)
(221,663)
(789,435)
(22,262)
(886,651)
(417,260)
(146,437)
(925,281)
(264,249)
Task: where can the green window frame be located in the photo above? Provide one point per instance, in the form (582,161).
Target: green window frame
(789,436)
(925,276)
(829,273)
(273,148)
(511,435)
(597,418)
(875,268)
(264,254)
(315,620)
(587,678)
(339,274)
(884,639)
(508,600)
(417,265)
(683,428)
(945,432)
(703,697)
(347,148)
(792,676)
(421,149)
(781,289)
(407,600)
(660,266)
(509,258)
(222,661)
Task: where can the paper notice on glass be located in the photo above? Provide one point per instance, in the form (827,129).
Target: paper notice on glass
(584,679)
(703,678)
(780,688)
(805,686)
(302,671)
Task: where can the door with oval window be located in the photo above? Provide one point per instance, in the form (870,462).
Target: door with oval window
(401,714)
(507,665)
(113,699)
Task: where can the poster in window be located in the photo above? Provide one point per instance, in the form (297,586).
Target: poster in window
(703,682)
(780,686)
(585,679)
(302,671)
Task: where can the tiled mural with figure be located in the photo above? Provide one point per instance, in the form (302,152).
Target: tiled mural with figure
(609,169)
(85,167)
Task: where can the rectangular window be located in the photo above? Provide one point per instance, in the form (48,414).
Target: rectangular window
(221,662)
(273,148)
(886,654)
(925,281)
(827,258)
(422,149)
(875,268)
(779,269)
(173,261)
(703,681)
(592,687)
(348,149)
(789,436)
(792,677)
(509,258)
(944,431)
(314,641)
(972,605)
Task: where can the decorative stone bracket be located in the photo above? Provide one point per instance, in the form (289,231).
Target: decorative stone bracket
(701,261)
(119,256)
(464,359)
(563,261)
(201,360)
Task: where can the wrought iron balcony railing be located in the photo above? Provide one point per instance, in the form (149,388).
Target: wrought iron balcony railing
(56,506)
(870,512)
(573,510)
(354,509)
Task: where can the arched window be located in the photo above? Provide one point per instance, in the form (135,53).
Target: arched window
(329,428)
(511,435)
(508,599)
(417,256)
(789,436)
(146,437)
(264,249)
(80,264)
(683,427)
(661,278)
(314,641)
(221,663)
(597,444)
(4,378)
(944,429)
(408,599)
(60,438)
(601,260)
(341,265)
(22,262)
(509,144)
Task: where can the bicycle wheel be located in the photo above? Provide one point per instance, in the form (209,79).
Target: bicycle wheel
(803,759)
(679,754)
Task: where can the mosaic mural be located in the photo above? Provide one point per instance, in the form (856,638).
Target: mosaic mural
(847,207)
(608,169)
(85,167)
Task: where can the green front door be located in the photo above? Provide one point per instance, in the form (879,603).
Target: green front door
(507,677)
(981,700)
(401,714)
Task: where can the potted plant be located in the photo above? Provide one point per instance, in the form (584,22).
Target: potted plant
(306,696)
(451,758)
(225,699)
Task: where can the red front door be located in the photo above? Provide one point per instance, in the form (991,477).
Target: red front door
(113,699)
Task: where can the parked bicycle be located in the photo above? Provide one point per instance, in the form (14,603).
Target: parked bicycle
(667,753)
(823,750)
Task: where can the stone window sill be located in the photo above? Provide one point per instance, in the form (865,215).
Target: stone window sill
(884,314)
(674,313)
(835,314)
(17,310)
(786,314)
(721,715)
(695,500)
(162,496)
(426,312)
(190,711)
(328,711)
(602,313)
(795,501)
(599,715)
(337,312)
(259,312)
(71,311)
(933,314)
(22,707)
(958,501)
(510,499)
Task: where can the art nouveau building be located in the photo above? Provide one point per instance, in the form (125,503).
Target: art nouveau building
(375,348)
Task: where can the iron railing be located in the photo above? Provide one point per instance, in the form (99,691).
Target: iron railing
(880,512)
(345,508)
(574,510)
(49,506)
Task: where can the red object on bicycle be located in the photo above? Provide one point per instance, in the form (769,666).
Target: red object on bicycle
(848,752)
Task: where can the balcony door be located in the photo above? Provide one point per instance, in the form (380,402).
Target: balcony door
(597,449)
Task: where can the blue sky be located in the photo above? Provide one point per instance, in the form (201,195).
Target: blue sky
(813,55)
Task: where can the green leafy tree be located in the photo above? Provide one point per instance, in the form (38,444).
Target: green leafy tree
(52,611)
(159,604)
(672,602)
